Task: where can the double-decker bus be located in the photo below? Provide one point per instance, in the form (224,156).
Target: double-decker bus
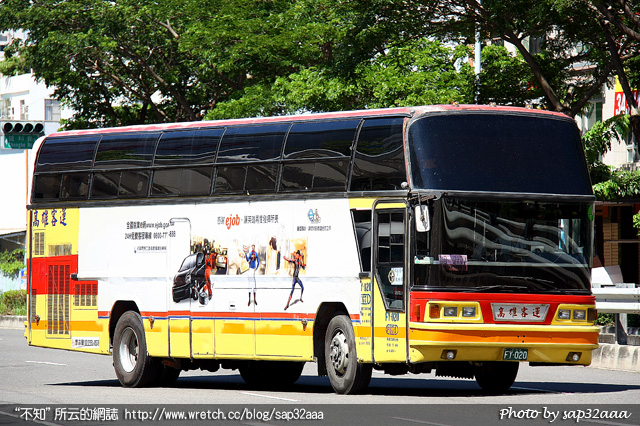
(454,239)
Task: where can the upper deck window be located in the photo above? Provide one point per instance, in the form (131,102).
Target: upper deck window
(498,153)
(126,150)
(252,143)
(321,139)
(67,153)
(379,159)
(188,147)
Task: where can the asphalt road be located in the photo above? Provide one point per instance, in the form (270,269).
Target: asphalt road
(30,375)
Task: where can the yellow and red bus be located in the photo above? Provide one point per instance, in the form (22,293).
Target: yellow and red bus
(447,239)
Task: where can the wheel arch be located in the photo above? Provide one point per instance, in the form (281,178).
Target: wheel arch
(119,308)
(325,313)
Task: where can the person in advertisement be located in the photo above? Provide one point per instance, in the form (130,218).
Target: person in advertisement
(210,263)
(254,263)
(297,263)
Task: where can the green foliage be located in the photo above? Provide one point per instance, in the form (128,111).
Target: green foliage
(11,263)
(506,79)
(13,302)
(416,73)
(596,142)
(605,319)
(622,184)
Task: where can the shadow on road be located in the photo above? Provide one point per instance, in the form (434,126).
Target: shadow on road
(387,386)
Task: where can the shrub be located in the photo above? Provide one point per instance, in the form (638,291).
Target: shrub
(13,302)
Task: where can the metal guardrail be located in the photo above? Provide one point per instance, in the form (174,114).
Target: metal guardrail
(617,300)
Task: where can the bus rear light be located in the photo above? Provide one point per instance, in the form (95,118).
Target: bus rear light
(450,311)
(434,311)
(564,314)
(580,314)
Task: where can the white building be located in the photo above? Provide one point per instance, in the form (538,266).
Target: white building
(22,100)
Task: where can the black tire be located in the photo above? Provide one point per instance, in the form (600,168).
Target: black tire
(134,367)
(271,374)
(166,376)
(346,375)
(496,377)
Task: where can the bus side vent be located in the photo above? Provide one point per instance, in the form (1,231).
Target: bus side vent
(86,295)
(32,303)
(58,300)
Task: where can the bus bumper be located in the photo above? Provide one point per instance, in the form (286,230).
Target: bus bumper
(571,345)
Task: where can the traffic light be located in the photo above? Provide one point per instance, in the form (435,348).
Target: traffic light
(21,134)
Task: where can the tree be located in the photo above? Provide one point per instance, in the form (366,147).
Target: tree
(506,79)
(619,21)
(574,61)
(126,62)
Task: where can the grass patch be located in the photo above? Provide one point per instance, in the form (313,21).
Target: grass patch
(13,302)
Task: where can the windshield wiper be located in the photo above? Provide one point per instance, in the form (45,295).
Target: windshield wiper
(487,288)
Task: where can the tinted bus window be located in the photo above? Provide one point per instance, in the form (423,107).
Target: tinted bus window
(379,159)
(126,150)
(66,153)
(75,186)
(321,139)
(261,178)
(46,187)
(252,143)
(120,184)
(319,175)
(498,153)
(188,181)
(188,147)
(230,179)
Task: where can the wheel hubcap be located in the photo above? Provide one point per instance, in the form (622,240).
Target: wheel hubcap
(339,352)
(128,350)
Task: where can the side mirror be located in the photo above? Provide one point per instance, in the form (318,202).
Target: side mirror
(423,220)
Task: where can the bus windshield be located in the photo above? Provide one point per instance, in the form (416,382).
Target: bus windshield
(506,246)
(497,153)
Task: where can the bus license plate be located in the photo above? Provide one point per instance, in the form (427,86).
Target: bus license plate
(516,354)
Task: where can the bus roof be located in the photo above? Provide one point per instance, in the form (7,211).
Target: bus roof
(382,112)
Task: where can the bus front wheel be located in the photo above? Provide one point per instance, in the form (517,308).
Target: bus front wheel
(496,377)
(346,375)
(131,361)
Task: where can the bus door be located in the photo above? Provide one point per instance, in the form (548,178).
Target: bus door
(390,275)
(179,305)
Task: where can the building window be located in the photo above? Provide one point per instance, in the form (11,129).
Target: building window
(24,110)
(51,110)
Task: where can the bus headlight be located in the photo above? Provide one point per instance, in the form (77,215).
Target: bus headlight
(580,314)
(469,311)
(450,311)
(564,314)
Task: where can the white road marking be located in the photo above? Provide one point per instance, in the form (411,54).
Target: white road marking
(44,362)
(422,422)
(269,396)
(535,389)
(42,422)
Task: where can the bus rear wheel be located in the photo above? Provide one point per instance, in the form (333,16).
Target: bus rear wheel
(496,377)
(346,375)
(271,374)
(133,365)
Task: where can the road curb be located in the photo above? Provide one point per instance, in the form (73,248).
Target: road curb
(12,321)
(617,357)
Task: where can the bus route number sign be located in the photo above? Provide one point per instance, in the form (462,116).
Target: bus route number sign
(515,354)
